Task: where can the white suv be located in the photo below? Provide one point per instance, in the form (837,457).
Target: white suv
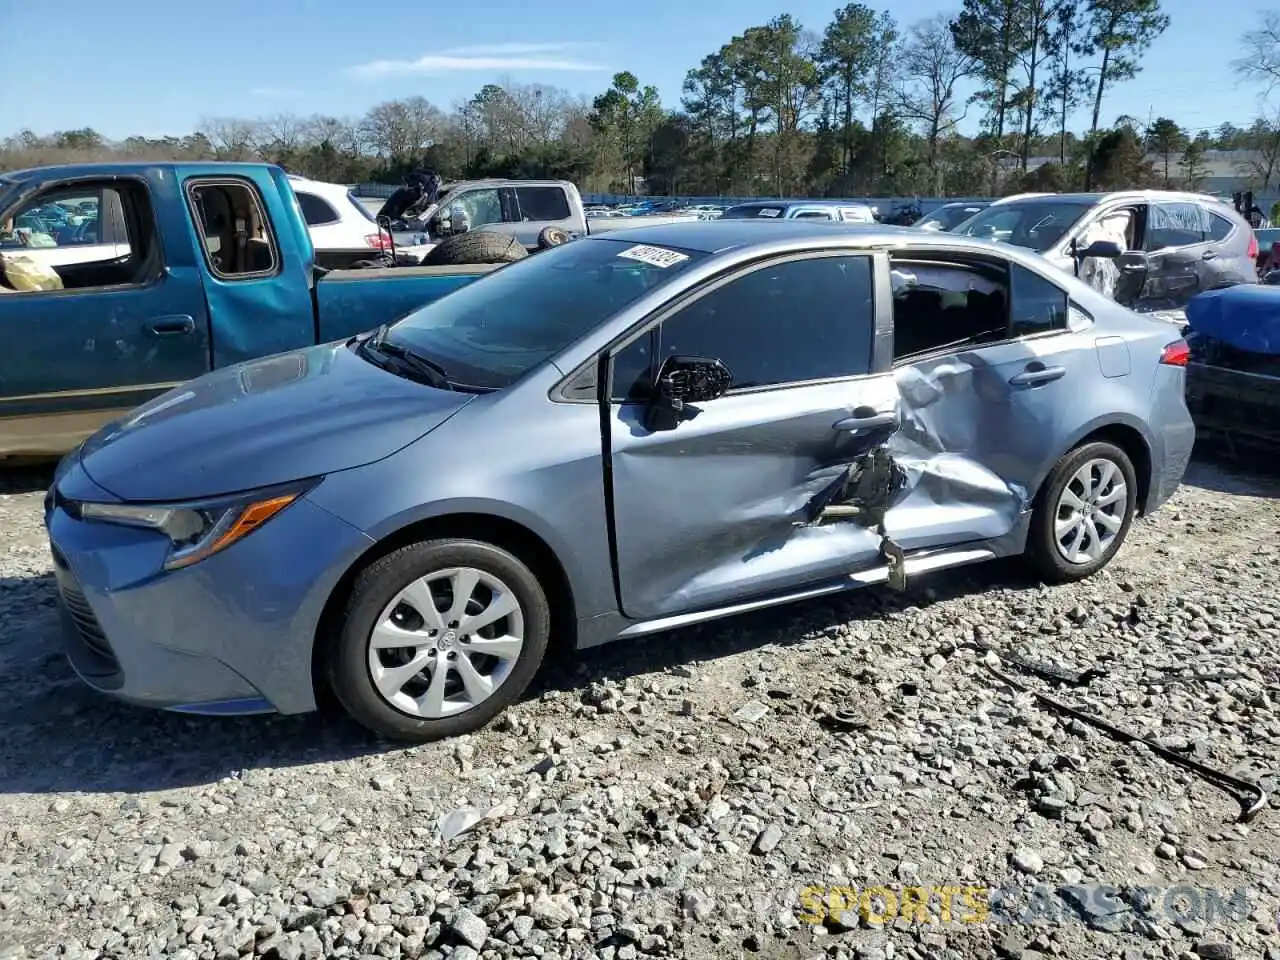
(340,225)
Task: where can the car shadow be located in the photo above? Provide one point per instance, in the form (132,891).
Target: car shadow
(62,737)
(1232,470)
(787,625)
(34,477)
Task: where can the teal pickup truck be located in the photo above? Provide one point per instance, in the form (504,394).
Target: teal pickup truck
(162,272)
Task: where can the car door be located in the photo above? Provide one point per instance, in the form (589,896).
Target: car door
(485,208)
(123,328)
(990,367)
(713,510)
(257,288)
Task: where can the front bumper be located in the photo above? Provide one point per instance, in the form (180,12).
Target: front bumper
(232,634)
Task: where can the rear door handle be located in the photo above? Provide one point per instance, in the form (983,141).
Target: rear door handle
(866,423)
(1209,255)
(175,326)
(1037,375)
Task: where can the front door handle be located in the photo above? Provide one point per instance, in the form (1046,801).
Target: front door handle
(849,424)
(1037,374)
(175,326)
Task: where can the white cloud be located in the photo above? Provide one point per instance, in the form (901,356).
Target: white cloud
(487,57)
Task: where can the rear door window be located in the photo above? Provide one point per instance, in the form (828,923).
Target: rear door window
(543,203)
(1220,228)
(1180,224)
(234,232)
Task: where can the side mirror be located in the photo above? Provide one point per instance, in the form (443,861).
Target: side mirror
(1106,249)
(682,381)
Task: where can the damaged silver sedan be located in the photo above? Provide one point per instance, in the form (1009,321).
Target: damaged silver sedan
(620,436)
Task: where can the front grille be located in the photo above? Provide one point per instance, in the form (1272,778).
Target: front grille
(86,623)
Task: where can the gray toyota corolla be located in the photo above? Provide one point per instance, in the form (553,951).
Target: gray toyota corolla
(612,438)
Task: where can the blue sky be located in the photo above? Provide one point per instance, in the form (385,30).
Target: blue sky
(153,67)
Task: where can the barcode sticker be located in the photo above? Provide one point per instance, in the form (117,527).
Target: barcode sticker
(655,256)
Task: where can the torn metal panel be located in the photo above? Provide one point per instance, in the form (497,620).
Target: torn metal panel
(961,446)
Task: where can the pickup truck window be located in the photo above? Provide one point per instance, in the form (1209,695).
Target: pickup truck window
(481,207)
(543,203)
(90,234)
(233,228)
(493,331)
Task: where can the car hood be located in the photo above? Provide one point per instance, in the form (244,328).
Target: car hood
(300,414)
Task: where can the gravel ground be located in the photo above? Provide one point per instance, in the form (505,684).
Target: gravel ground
(674,798)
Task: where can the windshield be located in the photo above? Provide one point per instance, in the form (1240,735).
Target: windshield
(1036,224)
(493,331)
(947,218)
(742,213)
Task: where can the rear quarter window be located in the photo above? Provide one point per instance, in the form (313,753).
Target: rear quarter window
(1220,227)
(315,210)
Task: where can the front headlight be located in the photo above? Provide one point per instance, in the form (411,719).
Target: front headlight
(199,529)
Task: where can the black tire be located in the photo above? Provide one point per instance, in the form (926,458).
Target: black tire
(1042,546)
(552,237)
(482,246)
(347,663)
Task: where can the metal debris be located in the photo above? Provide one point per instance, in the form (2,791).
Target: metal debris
(1250,795)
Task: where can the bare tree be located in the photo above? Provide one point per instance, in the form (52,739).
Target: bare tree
(1261,62)
(932,68)
(232,138)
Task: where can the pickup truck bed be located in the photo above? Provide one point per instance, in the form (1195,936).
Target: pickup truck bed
(209,264)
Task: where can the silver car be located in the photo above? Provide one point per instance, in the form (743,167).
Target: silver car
(618,436)
(1172,245)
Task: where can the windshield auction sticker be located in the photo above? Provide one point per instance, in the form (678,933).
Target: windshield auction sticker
(654,256)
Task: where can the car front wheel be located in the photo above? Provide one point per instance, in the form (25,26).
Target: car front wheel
(1083,513)
(439,637)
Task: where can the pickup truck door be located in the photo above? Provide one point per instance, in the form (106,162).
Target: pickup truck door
(713,509)
(124,328)
(487,208)
(256,262)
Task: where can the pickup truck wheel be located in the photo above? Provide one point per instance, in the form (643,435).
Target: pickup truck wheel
(482,246)
(1083,513)
(438,638)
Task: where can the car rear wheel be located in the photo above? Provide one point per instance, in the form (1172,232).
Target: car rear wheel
(1083,513)
(439,637)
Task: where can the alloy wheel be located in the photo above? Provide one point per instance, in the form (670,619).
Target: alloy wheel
(446,642)
(1091,512)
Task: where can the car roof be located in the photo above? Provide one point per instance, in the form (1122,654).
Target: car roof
(721,236)
(322,187)
(1093,198)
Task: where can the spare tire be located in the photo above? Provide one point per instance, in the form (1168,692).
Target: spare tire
(552,237)
(479,247)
